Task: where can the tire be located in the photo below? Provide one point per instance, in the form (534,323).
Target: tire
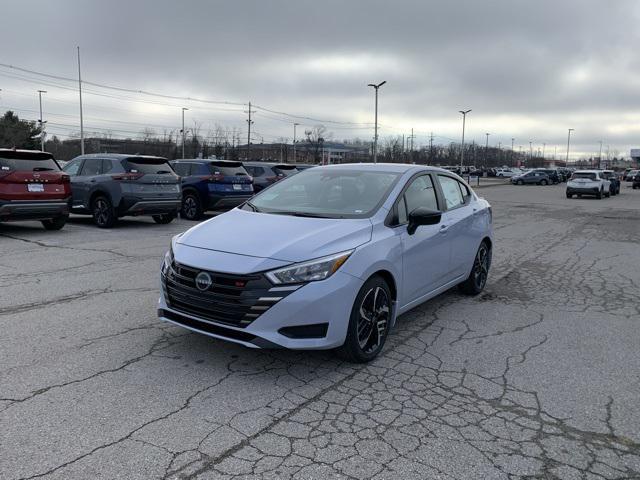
(104,215)
(55,223)
(374,299)
(477,279)
(599,195)
(569,195)
(519,182)
(191,207)
(543,182)
(164,218)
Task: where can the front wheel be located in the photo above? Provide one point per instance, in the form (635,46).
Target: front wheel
(55,223)
(369,322)
(477,279)
(543,182)
(569,195)
(520,182)
(164,218)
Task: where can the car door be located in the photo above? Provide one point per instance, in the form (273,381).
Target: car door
(73,169)
(87,179)
(457,224)
(425,264)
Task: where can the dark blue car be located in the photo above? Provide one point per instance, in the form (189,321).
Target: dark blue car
(212,185)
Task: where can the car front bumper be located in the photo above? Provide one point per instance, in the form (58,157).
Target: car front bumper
(327,303)
(33,209)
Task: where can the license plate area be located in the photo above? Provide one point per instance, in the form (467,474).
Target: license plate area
(35,187)
(237,186)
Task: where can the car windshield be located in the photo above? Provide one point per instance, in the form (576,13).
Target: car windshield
(587,175)
(147,165)
(28,164)
(327,193)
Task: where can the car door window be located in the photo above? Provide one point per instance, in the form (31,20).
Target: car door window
(92,166)
(72,167)
(451,191)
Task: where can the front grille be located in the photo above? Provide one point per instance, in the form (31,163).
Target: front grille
(231,299)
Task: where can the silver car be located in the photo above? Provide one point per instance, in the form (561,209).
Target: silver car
(328,258)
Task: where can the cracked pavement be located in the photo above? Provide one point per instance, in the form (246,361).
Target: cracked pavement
(538,377)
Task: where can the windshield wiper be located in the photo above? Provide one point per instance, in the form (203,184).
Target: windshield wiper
(252,206)
(160,172)
(41,169)
(302,214)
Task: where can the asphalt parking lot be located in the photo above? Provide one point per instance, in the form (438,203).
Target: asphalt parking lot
(538,377)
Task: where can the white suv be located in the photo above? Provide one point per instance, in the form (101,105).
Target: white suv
(588,182)
(505,172)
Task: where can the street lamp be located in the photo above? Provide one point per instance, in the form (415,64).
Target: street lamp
(182,131)
(464,119)
(294,141)
(568,143)
(375,138)
(41,122)
(512,140)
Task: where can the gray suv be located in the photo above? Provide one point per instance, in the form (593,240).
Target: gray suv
(110,186)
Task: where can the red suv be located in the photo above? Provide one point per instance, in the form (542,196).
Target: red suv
(32,187)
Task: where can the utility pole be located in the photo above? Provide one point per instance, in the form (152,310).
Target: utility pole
(568,144)
(430,146)
(375,137)
(512,140)
(544,146)
(600,154)
(486,149)
(411,137)
(40,92)
(249,123)
(182,131)
(464,119)
(294,141)
(81,119)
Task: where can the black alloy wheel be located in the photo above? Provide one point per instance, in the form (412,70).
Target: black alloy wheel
(369,323)
(103,213)
(191,208)
(477,279)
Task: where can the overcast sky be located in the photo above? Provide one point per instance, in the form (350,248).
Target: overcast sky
(528,69)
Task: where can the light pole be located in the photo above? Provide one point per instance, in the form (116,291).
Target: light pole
(568,144)
(375,138)
(464,119)
(182,131)
(40,92)
(294,141)
(544,146)
(600,154)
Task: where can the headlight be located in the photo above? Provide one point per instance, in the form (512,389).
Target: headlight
(168,259)
(311,271)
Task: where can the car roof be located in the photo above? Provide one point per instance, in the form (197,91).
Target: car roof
(14,153)
(384,167)
(203,160)
(117,156)
(586,171)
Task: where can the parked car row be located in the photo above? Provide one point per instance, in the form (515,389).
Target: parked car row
(34,186)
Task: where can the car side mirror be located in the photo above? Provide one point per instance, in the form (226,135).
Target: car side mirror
(422,216)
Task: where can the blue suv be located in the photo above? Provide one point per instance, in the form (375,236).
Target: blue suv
(211,185)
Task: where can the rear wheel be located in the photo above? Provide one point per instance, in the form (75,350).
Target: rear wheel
(191,207)
(164,218)
(369,323)
(477,279)
(543,182)
(520,182)
(569,195)
(599,195)
(104,215)
(55,223)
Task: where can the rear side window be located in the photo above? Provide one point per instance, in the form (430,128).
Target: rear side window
(26,164)
(92,166)
(182,169)
(285,170)
(146,165)
(227,168)
(255,171)
(451,189)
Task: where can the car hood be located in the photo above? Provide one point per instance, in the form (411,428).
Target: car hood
(279,237)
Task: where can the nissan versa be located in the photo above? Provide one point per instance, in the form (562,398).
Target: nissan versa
(328,258)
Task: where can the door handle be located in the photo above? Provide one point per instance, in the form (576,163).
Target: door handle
(444,228)
(93,180)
